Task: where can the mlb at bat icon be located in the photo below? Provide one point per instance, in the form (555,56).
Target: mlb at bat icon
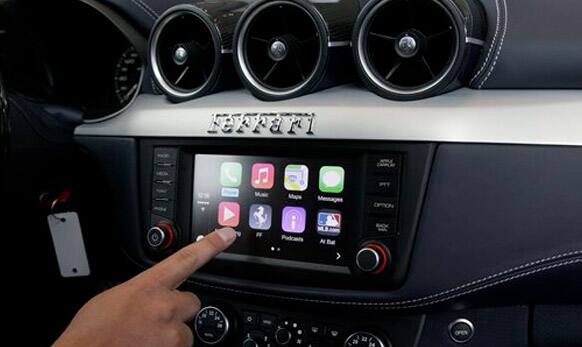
(329,222)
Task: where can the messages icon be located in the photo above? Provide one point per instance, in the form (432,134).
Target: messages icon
(331,179)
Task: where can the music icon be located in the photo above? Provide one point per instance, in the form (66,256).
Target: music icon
(263,176)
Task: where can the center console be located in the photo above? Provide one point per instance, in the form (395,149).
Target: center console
(326,228)
(323,215)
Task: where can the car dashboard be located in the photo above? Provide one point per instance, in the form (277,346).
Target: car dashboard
(399,172)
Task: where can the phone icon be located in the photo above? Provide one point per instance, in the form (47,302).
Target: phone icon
(230,174)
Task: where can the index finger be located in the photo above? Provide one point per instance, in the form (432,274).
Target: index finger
(174,270)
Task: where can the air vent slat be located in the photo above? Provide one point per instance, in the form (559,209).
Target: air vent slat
(393,71)
(382,36)
(270,72)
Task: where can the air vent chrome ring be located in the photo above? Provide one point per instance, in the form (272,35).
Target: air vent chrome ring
(408,46)
(280,48)
(205,56)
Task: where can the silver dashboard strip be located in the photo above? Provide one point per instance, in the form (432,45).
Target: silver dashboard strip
(541,117)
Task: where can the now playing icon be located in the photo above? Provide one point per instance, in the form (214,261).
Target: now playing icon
(229,214)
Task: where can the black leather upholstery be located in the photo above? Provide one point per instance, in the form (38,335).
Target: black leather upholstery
(532,44)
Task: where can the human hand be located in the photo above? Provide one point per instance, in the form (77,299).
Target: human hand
(147,310)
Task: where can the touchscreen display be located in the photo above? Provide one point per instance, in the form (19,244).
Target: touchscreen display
(286,211)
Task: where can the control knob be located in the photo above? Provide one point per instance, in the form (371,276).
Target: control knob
(366,339)
(161,236)
(289,333)
(373,257)
(211,325)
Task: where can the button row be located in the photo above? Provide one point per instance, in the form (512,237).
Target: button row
(382,188)
(164,181)
(289,332)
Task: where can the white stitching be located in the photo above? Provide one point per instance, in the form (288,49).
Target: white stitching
(493,42)
(404,304)
(143,9)
(500,46)
(549,267)
(149,8)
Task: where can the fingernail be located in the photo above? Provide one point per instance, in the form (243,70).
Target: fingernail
(226,234)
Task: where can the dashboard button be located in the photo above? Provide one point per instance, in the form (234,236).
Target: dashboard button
(267,321)
(332,332)
(381,226)
(162,190)
(383,185)
(382,206)
(461,330)
(163,208)
(155,237)
(385,164)
(165,155)
(250,318)
(164,173)
(315,329)
(162,236)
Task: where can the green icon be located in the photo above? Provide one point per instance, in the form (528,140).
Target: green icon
(331,179)
(230,174)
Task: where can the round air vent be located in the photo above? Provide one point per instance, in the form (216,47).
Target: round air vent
(281,48)
(185,53)
(411,49)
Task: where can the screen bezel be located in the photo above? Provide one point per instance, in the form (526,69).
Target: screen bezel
(417,160)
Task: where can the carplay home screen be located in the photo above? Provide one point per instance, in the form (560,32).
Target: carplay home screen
(283,208)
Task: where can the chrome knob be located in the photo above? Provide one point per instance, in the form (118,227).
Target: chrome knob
(180,55)
(278,50)
(407,46)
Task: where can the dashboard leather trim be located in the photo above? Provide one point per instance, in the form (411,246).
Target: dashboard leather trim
(500,14)
(426,300)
